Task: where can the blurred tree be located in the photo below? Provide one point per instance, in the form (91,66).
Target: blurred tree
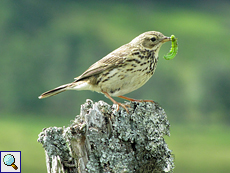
(45,44)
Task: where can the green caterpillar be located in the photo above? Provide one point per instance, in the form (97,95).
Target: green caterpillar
(174,49)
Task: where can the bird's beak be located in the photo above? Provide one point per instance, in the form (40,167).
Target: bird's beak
(165,39)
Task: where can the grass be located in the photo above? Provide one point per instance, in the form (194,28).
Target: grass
(20,133)
(196,148)
(200,148)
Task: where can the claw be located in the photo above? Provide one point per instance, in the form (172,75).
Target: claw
(122,105)
(118,104)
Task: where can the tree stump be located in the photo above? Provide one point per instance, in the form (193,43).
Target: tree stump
(104,140)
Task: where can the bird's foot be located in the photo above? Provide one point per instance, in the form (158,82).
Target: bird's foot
(118,104)
(132,100)
(122,105)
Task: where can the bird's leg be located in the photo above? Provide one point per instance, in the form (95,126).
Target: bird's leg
(130,99)
(115,102)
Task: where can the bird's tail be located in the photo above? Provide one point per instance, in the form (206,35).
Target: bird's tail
(54,91)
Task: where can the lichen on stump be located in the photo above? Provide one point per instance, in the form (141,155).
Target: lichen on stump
(101,139)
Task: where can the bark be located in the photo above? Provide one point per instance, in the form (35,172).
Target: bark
(102,139)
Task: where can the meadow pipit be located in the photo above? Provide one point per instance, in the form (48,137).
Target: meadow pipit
(122,71)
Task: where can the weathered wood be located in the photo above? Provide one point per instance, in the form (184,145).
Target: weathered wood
(103,140)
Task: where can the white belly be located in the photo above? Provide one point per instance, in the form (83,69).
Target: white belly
(122,82)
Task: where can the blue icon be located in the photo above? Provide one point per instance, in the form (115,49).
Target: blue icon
(9,160)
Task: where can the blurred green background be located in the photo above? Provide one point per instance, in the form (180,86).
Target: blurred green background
(44,44)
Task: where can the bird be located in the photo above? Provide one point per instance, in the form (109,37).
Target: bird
(122,71)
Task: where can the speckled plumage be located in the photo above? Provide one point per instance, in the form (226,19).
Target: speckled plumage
(122,71)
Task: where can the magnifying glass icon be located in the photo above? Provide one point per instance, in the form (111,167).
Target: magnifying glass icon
(9,160)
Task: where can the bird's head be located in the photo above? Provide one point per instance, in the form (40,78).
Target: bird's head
(151,40)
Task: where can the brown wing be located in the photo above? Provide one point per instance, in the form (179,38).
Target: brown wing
(110,61)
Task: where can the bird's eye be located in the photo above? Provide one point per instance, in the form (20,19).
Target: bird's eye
(153,39)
